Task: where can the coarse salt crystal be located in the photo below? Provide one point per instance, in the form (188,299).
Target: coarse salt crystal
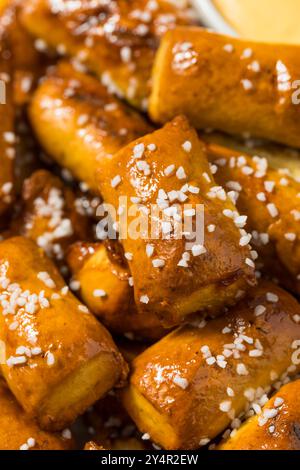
(272,209)
(187,146)
(259,310)
(225,406)
(180,382)
(99,293)
(272,297)
(116,181)
(241,369)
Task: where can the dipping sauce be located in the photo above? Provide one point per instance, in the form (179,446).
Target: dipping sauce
(263,20)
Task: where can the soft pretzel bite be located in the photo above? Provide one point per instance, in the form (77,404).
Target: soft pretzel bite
(27,62)
(7,134)
(117,40)
(278,156)
(271,200)
(188,387)
(165,167)
(59,358)
(277,427)
(78,122)
(19,432)
(49,215)
(227,84)
(104,287)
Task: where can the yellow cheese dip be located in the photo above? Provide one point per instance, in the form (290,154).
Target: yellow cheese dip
(263,20)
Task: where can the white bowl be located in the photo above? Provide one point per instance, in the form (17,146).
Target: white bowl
(212,18)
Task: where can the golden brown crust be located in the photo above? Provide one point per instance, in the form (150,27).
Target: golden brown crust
(16,428)
(182,400)
(59,358)
(49,215)
(209,281)
(116,40)
(271,200)
(277,427)
(223,83)
(104,288)
(78,122)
